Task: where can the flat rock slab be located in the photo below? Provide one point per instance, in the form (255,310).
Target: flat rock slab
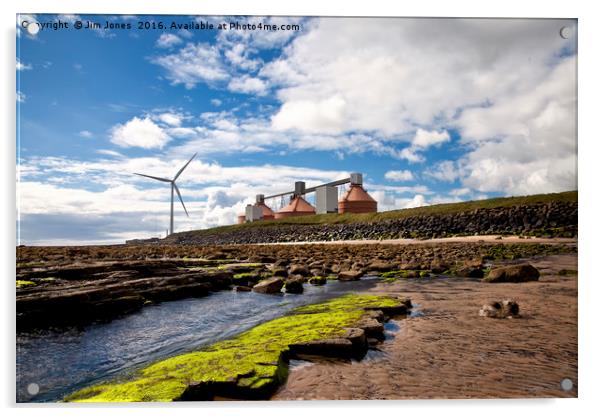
(271,285)
(350,275)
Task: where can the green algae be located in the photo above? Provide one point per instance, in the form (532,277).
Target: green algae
(318,280)
(396,274)
(250,365)
(245,275)
(25,283)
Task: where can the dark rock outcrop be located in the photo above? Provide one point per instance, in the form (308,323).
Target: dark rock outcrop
(294,284)
(513,274)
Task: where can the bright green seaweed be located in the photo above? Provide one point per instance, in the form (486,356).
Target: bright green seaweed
(251,361)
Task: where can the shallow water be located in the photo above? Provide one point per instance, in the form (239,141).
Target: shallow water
(62,362)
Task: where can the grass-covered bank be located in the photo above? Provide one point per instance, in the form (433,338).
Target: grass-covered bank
(534,215)
(251,365)
(438,209)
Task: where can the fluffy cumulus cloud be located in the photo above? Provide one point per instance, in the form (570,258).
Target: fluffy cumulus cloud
(192,64)
(139,132)
(399,175)
(508,86)
(424,138)
(525,143)
(248,85)
(172,119)
(168,40)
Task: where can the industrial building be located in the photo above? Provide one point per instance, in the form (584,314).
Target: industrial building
(355,200)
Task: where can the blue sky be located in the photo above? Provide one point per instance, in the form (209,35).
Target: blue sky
(430,111)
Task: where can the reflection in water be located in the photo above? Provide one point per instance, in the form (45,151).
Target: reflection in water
(62,362)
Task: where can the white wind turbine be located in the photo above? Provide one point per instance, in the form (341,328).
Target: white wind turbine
(173,186)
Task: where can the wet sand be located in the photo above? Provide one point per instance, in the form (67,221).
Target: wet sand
(451,352)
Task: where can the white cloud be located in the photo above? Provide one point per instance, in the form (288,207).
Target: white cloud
(108,152)
(248,85)
(173,119)
(85,134)
(399,175)
(21,97)
(388,202)
(417,201)
(22,67)
(459,191)
(411,155)
(192,64)
(216,102)
(168,40)
(445,171)
(424,138)
(324,116)
(525,143)
(139,132)
(395,74)
(238,55)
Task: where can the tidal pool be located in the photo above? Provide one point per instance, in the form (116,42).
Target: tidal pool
(52,364)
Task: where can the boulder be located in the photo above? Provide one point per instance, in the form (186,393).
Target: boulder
(470,271)
(317,280)
(438,266)
(298,269)
(500,309)
(515,274)
(350,275)
(279,272)
(380,266)
(271,285)
(242,289)
(294,284)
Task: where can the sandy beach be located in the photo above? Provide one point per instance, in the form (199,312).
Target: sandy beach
(451,352)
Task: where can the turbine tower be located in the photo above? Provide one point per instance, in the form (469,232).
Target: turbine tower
(173,186)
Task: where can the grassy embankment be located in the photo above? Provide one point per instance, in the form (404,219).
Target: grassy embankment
(439,209)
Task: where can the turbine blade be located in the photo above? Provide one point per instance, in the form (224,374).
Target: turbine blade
(181,200)
(153,177)
(184,167)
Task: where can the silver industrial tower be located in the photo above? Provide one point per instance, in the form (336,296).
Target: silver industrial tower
(173,186)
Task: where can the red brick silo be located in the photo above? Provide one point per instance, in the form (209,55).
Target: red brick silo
(297,207)
(357,201)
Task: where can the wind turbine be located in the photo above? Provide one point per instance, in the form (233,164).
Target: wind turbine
(173,186)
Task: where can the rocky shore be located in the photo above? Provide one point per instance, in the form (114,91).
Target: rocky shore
(63,286)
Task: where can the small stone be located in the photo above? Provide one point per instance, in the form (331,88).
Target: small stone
(500,309)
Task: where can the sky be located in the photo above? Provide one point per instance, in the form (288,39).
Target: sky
(429,110)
